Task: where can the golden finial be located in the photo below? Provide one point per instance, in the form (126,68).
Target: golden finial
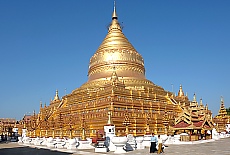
(56,95)
(194,97)
(114,16)
(180,93)
(40,104)
(206,107)
(222,99)
(201,103)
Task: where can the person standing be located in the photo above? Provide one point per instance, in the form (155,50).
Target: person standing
(153,141)
(160,150)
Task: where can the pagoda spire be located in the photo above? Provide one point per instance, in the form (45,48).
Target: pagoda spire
(222,110)
(206,107)
(116,50)
(194,97)
(114,15)
(221,101)
(201,102)
(40,104)
(180,93)
(222,107)
(115,25)
(56,96)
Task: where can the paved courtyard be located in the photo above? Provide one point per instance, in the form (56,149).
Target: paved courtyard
(218,147)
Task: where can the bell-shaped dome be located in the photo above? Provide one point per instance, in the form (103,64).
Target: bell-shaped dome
(116,52)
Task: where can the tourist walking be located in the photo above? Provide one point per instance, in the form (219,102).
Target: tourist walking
(160,145)
(153,143)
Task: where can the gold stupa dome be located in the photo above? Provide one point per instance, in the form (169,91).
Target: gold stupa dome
(116,52)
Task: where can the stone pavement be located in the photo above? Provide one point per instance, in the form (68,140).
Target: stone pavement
(218,147)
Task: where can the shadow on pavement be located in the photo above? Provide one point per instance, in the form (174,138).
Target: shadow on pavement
(29,151)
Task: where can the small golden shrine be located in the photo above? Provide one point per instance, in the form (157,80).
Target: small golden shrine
(221,119)
(195,120)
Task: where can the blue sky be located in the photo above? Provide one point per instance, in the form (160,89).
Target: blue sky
(46,45)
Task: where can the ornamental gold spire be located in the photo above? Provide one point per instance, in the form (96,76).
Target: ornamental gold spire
(56,96)
(222,110)
(114,16)
(40,104)
(116,50)
(194,97)
(180,93)
(201,102)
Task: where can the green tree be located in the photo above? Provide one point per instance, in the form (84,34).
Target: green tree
(228,111)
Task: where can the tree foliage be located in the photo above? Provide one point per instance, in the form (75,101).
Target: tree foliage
(228,111)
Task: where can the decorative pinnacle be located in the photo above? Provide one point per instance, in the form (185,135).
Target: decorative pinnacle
(181,93)
(56,95)
(194,97)
(221,99)
(114,16)
(110,122)
(201,102)
(40,104)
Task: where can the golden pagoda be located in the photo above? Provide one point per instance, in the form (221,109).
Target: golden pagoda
(221,119)
(117,92)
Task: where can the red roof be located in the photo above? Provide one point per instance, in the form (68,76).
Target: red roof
(198,124)
(182,124)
